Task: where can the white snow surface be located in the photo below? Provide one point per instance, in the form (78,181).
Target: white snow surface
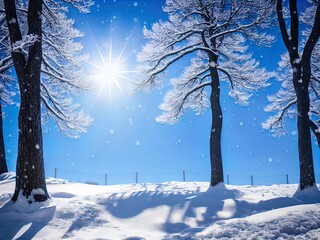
(169,210)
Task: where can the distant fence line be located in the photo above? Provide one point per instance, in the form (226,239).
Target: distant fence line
(143,177)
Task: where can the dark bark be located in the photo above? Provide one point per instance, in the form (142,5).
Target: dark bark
(3,163)
(30,162)
(216,129)
(216,112)
(216,126)
(307,177)
(305,145)
(301,79)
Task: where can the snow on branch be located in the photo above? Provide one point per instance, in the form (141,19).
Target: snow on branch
(70,122)
(82,5)
(275,123)
(207,37)
(283,102)
(62,72)
(25,42)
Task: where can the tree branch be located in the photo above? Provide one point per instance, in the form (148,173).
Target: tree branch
(164,56)
(50,108)
(283,110)
(294,26)
(227,74)
(282,25)
(313,38)
(15,34)
(54,102)
(62,79)
(194,89)
(167,64)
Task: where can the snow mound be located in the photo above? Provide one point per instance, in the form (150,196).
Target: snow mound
(308,195)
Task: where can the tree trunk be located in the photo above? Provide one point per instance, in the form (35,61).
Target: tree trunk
(30,163)
(301,86)
(3,163)
(216,129)
(307,177)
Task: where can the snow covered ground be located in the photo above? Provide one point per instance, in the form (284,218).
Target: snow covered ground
(170,210)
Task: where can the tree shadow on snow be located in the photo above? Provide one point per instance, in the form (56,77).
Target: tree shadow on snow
(191,211)
(89,215)
(23,225)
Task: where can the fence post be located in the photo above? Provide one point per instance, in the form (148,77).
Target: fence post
(136,177)
(287,178)
(55,172)
(184,175)
(106,179)
(251,180)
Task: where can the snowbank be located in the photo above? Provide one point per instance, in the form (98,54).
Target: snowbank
(170,210)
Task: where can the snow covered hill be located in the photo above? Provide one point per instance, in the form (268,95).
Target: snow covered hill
(170,210)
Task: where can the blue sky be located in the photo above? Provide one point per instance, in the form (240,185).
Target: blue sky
(125,139)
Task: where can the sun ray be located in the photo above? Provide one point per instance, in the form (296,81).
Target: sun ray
(109,72)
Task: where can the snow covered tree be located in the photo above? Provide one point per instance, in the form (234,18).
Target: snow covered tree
(300,89)
(40,43)
(214,36)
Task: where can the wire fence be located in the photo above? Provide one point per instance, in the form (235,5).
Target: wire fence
(157,177)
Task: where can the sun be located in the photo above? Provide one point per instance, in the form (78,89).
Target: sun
(109,74)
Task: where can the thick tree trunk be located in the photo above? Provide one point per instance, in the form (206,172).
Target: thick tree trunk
(307,176)
(216,129)
(3,163)
(30,164)
(301,83)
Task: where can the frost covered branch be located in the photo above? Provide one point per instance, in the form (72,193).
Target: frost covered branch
(199,29)
(309,64)
(25,42)
(62,74)
(275,123)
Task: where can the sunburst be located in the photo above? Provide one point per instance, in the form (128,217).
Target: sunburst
(109,73)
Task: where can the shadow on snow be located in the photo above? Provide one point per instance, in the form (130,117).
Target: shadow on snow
(204,208)
(23,225)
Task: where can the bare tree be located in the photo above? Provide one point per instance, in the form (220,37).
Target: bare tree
(40,43)
(300,89)
(215,36)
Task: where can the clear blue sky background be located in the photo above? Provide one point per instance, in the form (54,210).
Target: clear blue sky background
(125,139)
